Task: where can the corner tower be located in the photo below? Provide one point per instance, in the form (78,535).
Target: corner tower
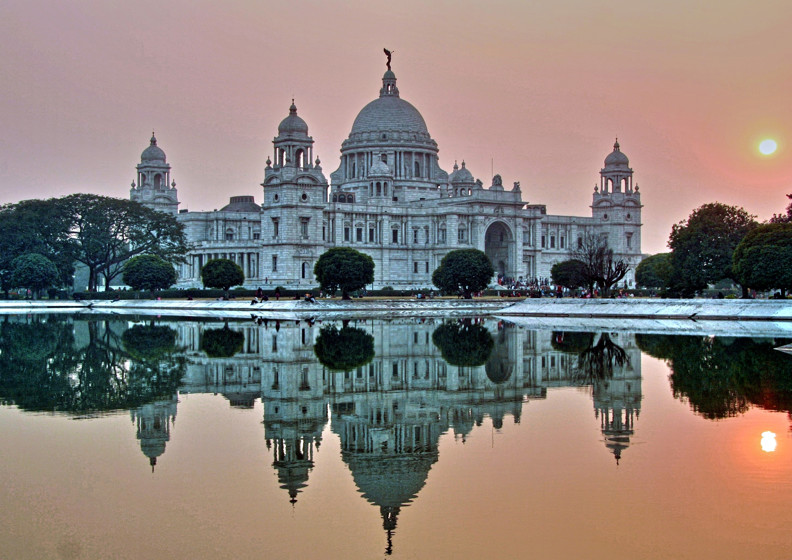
(151,186)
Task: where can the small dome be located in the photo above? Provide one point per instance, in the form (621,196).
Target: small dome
(153,153)
(379,169)
(616,157)
(293,124)
(462,175)
(241,204)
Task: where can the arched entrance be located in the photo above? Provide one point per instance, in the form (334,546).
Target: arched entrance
(497,245)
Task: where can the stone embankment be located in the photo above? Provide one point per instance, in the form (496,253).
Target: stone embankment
(621,309)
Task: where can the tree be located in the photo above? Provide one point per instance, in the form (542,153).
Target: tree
(149,272)
(600,265)
(783,218)
(463,343)
(108,231)
(463,270)
(35,272)
(345,269)
(569,274)
(35,226)
(702,246)
(343,349)
(654,271)
(222,273)
(763,259)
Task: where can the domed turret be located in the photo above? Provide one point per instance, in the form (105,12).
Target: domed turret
(461,176)
(380,169)
(616,158)
(293,124)
(153,154)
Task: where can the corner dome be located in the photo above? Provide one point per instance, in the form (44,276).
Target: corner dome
(379,169)
(616,157)
(461,175)
(293,124)
(153,154)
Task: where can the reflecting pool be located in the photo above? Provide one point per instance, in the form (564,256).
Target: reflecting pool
(139,437)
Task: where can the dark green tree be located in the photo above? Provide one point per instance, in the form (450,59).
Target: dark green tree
(569,274)
(463,343)
(34,272)
(654,271)
(702,246)
(763,259)
(783,218)
(571,342)
(345,269)
(465,271)
(343,349)
(222,274)
(35,226)
(222,343)
(149,272)
(601,266)
(109,231)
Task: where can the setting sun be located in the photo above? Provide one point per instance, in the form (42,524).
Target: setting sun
(768,146)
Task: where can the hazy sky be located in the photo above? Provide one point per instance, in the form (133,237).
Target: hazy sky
(690,88)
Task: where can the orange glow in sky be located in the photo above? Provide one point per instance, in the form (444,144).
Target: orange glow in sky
(537,91)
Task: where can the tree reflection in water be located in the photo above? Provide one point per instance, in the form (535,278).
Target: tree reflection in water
(44,366)
(722,377)
(344,349)
(222,343)
(463,343)
(595,361)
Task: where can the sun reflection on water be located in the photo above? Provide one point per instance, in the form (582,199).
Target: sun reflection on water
(768,442)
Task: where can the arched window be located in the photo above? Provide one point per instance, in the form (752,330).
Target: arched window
(342,198)
(385,188)
(157,181)
(417,169)
(305,270)
(379,188)
(354,169)
(299,158)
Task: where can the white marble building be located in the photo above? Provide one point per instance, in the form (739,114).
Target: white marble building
(390,199)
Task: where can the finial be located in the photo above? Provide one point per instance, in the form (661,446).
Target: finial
(616,145)
(463,164)
(293,108)
(317,162)
(269,162)
(388,54)
(173,184)
(153,139)
(596,187)
(455,165)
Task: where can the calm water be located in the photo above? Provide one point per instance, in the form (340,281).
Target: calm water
(412,438)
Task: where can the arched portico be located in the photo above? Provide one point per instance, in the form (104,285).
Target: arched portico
(499,247)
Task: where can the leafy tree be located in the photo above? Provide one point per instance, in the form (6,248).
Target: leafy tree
(35,226)
(569,274)
(572,342)
(222,343)
(702,246)
(600,265)
(343,349)
(463,343)
(109,231)
(222,273)
(149,272)
(783,218)
(345,269)
(463,270)
(35,272)
(654,271)
(763,259)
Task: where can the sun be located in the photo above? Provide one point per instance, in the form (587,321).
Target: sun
(768,146)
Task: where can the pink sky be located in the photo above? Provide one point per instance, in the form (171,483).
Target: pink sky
(689,88)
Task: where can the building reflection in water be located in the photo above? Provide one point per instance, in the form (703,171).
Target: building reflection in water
(426,377)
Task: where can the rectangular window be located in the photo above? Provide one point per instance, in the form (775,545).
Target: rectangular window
(395,369)
(324,233)
(552,241)
(346,234)
(229,236)
(415,236)
(304,227)
(563,242)
(427,267)
(543,242)
(275,227)
(441,236)
(359,235)
(415,267)
(629,240)
(461,235)
(371,235)
(394,236)
(256,235)
(580,242)
(274,263)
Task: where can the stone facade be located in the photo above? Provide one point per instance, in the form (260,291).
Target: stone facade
(389,198)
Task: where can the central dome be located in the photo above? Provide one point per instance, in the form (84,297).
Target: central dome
(389,114)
